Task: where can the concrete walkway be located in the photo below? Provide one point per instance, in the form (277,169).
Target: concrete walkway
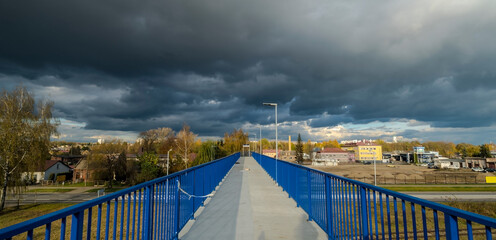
(248,205)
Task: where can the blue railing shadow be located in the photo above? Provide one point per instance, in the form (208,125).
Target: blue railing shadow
(349,209)
(156,209)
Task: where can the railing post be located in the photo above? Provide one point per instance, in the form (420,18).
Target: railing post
(330,234)
(309,184)
(148,214)
(77,226)
(451,225)
(363,209)
(297,195)
(194,193)
(178,213)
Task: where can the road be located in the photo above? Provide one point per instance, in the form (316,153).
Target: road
(76,196)
(80,195)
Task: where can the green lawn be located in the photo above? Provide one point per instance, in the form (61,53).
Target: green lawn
(81,184)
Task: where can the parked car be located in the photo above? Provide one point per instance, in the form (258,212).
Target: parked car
(478,169)
(490,170)
(432,166)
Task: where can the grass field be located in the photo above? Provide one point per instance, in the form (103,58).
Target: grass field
(441,189)
(13,215)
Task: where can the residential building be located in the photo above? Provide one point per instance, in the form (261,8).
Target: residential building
(55,167)
(34,177)
(365,151)
(270,152)
(82,171)
(289,155)
(70,160)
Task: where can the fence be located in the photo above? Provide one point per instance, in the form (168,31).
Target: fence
(349,209)
(433,179)
(157,209)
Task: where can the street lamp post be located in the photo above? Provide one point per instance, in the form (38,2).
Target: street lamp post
(255,146)
(212,154)
(277,152)
(168,160)
(375,172)
(260,140)
(167,188)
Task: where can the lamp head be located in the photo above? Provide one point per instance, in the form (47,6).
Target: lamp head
(270,104)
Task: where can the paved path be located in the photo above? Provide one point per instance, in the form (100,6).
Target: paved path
(248,205)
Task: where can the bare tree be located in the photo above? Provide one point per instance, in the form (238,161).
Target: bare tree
(25,130)
(185,141)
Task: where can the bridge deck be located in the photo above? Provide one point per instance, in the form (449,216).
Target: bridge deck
(248,205)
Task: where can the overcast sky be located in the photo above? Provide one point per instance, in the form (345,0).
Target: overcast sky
(422,70)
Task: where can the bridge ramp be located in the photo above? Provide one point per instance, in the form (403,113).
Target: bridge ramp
(249,205)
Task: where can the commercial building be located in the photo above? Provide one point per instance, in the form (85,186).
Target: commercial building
(332,156)
(270,153)
(365,151)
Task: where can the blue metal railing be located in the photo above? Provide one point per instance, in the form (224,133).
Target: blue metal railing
(349,209)
(157,209)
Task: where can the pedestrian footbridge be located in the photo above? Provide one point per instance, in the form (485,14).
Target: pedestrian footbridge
(255,198)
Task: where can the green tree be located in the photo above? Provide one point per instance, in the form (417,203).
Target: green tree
(176,164)
(104,159)
(75,150)
(485,152)
(25,130)
(234,141)
(308,147)
(299,150)
(328,144)
(386,147)
(265,143)
(467,150)
(148,168)
(219,149)
(206,153)
(121,173)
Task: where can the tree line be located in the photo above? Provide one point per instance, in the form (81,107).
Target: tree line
(108,160)
(447,149)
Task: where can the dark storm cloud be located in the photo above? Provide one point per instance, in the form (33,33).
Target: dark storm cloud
(134,65)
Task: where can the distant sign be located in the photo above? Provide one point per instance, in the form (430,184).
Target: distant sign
(420,150)
(246,145)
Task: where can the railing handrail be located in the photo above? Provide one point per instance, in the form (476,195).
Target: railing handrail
(444,208)
(340,192)
(48,218)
